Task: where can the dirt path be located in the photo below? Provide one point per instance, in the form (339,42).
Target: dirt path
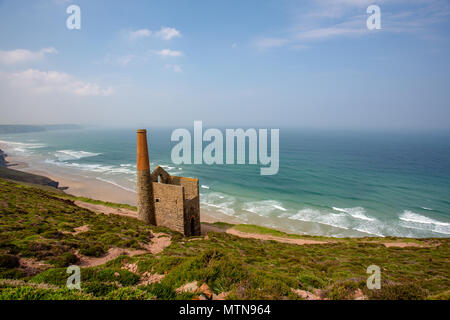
(274,238)
(159,242)
(403,245)
(112,254)
(99,208)
(241,234)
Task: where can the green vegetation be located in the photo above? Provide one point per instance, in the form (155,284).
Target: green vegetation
(104,203)
(39,226)
(261,230)
(25,177)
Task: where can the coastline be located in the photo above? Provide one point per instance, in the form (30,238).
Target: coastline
(87,183)
(82,186)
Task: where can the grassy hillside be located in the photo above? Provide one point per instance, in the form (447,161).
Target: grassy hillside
(16,175)
(40,236)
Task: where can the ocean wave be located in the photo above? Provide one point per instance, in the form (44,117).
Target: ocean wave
(357,213)
(22,147)
(222,202)
(65,155)
(94,167)
(417,221)
(263,208)
(204,186)
(417,218)
(329,218)
(353,219)
(128,165)
(167,167)
(426,208)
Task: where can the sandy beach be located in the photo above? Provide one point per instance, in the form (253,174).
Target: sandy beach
(89,187)
(83,185)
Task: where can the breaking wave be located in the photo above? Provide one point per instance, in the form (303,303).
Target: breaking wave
(353,219)
(95,167)
(263,208)
(221,202)
(23,147)
(329,218)
(417,221)
(66,155)
(357,213)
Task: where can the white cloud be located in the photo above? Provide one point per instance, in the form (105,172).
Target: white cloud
(167,33)
(174,67)
(327,19)
(141,33)
(233,45)
(170,53)
(24,56)
(43,82)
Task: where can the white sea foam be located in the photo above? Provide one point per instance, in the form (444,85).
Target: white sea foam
(222,202)
(326,218)
(204,186)
(22,147)
(426,208)
(128,165)
(357,213)
(417,221)
(417,218)
(167,167)
(95,167)
(263,208)
(65,155)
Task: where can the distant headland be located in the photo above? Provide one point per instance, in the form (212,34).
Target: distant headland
(22,128)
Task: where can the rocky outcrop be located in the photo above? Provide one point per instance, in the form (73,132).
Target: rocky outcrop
(3,162)
(20,176)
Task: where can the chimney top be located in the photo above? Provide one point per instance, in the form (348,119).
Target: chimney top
(141,131)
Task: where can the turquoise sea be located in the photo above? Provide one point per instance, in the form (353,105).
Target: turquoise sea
(338,183)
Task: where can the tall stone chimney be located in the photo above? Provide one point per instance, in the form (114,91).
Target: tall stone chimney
(146,209)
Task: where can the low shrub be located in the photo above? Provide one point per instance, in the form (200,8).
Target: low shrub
(9,261)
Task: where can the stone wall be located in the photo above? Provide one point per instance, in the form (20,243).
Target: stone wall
(191,204)
(169,206)
(192,225)
(190,186)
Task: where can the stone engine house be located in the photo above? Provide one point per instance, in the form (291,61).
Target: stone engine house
(165,200)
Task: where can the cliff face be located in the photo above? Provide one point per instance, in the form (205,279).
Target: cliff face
(20,176)
(3,161)
(21,128)
(10,174)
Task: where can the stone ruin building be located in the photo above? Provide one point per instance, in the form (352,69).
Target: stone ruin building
(165,200)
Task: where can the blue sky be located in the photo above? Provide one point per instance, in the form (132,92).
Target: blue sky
(229,63)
